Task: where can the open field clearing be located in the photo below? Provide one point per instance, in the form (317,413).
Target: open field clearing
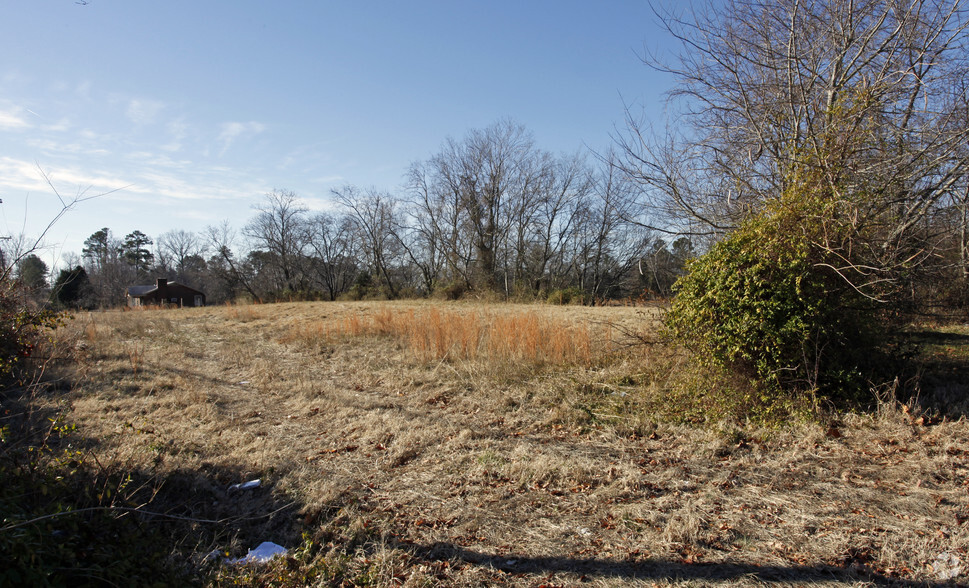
(421,443)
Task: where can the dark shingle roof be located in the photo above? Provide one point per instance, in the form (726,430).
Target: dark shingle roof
(140,290)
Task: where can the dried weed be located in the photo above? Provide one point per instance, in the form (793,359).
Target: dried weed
(466,444)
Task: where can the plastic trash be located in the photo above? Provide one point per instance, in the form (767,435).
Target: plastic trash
(260,555)
(947,566)
(246,485)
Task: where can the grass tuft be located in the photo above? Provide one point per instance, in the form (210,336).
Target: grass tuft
(438,335)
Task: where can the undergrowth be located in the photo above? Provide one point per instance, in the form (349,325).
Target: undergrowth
(66,521)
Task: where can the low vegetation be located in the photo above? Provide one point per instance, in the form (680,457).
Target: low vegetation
(456,443)
(767,305)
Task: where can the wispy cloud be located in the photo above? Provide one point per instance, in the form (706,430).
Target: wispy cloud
(11,119)
(53,147)
(19,175)
(143,112)
(233,130)
(178,129)
(329,179)
(83,90)
(95,181)
(64,124)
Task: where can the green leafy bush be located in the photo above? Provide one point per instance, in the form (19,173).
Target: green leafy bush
(567,296)
(21,330)
(766,303)
(455,290)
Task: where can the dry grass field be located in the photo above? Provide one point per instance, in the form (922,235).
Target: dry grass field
(421,444)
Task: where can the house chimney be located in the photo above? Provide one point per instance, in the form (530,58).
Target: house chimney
(161,282)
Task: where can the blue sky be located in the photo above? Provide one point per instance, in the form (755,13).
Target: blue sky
(191,111)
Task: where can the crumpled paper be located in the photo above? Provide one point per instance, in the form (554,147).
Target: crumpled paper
(260,555)
(947,566)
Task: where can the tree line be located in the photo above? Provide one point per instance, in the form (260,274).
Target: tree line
(489,214)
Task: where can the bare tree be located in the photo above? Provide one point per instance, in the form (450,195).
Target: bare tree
(608,242)
(862,96)
(280,228)
(334,263)
(229,269)
(488,173)
(441,221)
(13,248)
(418,236)
(562,197)
(177,249)
(374,217)
(482,198)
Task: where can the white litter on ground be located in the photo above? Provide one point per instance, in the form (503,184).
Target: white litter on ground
(260,555)
(246,485)
(947,566)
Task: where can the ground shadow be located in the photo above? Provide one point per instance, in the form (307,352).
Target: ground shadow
(584,569)
(940,337)
(69,519)
(941,373)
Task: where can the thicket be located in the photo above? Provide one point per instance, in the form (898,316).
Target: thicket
(766,303)
(64,521)
(833,174)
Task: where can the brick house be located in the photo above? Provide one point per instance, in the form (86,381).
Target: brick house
(164,293)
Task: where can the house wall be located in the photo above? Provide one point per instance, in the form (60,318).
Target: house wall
(174,294)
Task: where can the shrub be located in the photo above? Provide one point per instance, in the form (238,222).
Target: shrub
(766,304)
(64,521)
(21,331)
(567,296)
(455,290)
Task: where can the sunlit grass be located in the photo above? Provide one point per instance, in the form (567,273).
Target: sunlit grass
(441,334)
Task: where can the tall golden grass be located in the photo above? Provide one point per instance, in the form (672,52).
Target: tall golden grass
(436,334)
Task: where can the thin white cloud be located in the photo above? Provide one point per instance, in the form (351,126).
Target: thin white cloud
(11,119)
(51,146)
(329,179)
(233,130)
(64,124)
(15,78)
(17,175)
(319,204)
(21,176)
(178,129)
(83,90)
(204,187)
(88,182)
(162,160)
(143,112)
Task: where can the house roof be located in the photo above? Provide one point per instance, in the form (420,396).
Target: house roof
(140,291)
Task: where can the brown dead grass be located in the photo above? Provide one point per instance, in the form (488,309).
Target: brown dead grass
(462,444)
(469,333)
